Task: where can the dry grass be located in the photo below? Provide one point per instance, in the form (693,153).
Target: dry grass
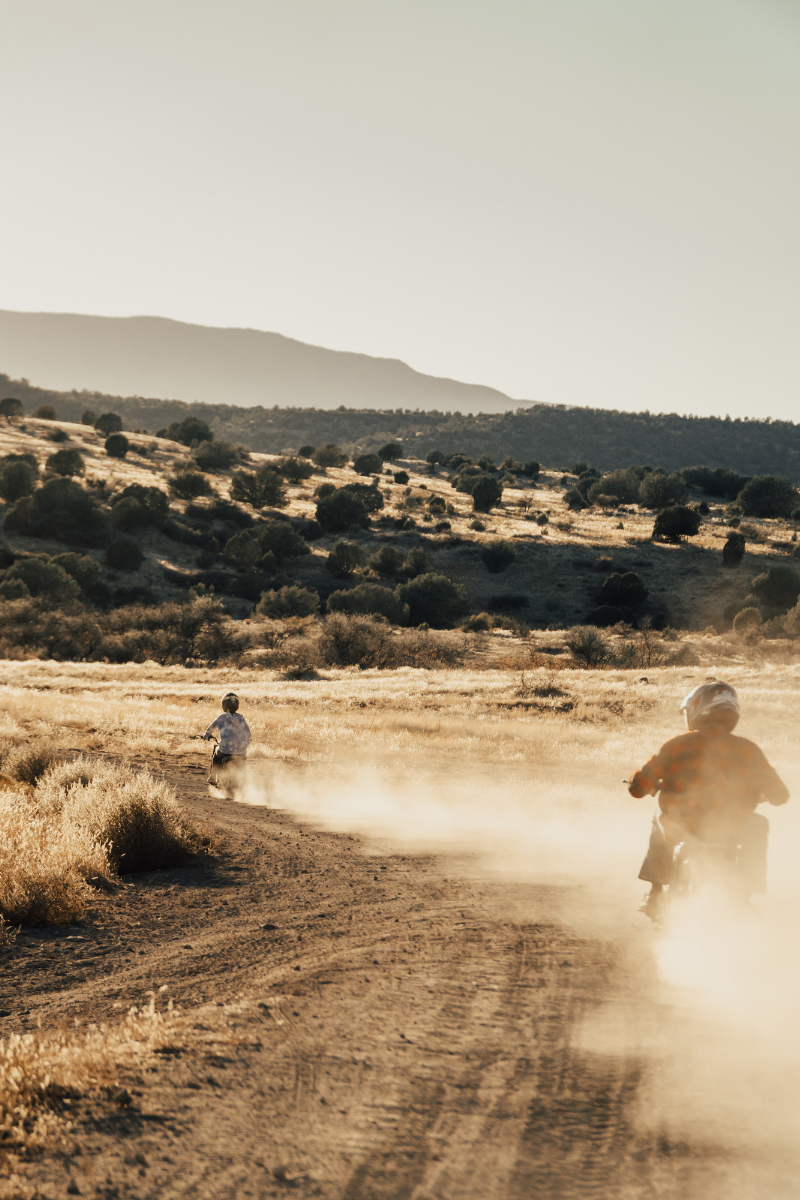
(84,823)
(43,1075)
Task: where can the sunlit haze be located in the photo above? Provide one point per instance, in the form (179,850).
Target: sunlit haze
(570,201)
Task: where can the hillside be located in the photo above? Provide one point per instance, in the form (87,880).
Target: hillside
(552,434)
(156,356)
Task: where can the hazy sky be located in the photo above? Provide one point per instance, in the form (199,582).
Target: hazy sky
(579,201)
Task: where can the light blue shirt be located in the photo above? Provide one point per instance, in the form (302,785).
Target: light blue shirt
(233,733)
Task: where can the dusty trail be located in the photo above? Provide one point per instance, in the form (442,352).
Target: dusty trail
(397,1035)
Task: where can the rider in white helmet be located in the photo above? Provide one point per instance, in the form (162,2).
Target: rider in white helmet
(232,733)
(708,783)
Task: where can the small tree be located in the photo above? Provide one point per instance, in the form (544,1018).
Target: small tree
(46,412)
(370,599)
(45,579)
(188,485)
(417,563)
(621,486)
(124,554)
(625,589)
(767,496)
(487,492)
(66,462)
(282,540)
(192,429)
(243,549)
(88,417)
(306,451)
(434,457)
(532,469)
(292,601)
(659,490)
(367,464)
(329,456)
(497,555)
(11,407)
(391,452)
(400,477)
(263,488)
(117,445)
(748,618)
(345,558)
(59,509)
(778,587)
(17,479)
(295,470)
(215,456)
(88,575)
(108,423)
(137,506)
(574,500)
(733,550)
(432,599)
(342,510)
(675,523)
(387,561)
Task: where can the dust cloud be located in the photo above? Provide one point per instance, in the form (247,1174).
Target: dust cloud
(709,1006)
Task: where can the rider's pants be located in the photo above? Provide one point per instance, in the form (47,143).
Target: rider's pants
(665,835)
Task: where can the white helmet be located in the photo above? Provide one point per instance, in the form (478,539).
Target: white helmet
(711,700)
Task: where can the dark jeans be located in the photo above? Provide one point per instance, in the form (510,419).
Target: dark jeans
(220,761)
(664,836)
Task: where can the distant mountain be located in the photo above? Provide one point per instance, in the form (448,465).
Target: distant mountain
(153,356)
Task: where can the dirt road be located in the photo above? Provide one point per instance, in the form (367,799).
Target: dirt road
(394,1034)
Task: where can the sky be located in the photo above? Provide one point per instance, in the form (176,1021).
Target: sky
(592,202)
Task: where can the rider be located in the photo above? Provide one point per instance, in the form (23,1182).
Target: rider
(708,783)
(233,734)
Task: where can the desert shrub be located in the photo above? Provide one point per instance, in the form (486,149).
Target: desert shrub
(349,641)
(532,469)
(498,554)
(17,479)
(260,489)
(88,575)
(244,549)
(215,456)
(369,494)
(345,558)
(11,407)
(442,526)
(296,658)
(659,490)
(478,623)
(416,563)
(622,486)
(295,469)
(588,647)
(136,507)
(282,540)
(767,496)
(486,493)
(324,489)
(45,863)
(401,477)
(28,761)
(192,429)
(432,599)
(367,464)
(466,477)
(45,579)
(134,816)
(108,423)
(329,456)
(291,601)
(477,525)
(623,589)
(370,599)
(718,481)
(59,509)
(579,468)
(387,561)
(733,550)
(12,589)
(778,587)
(88,417)
(606,615)
(434,457)
(45,412)
(66,462)
(675,523)
(124,554)
(746,618)
(342,510)
(306,451)
(436,504)
(117,445)
(188,485)
(391,452)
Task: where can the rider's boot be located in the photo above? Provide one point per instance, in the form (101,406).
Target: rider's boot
(654,903)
